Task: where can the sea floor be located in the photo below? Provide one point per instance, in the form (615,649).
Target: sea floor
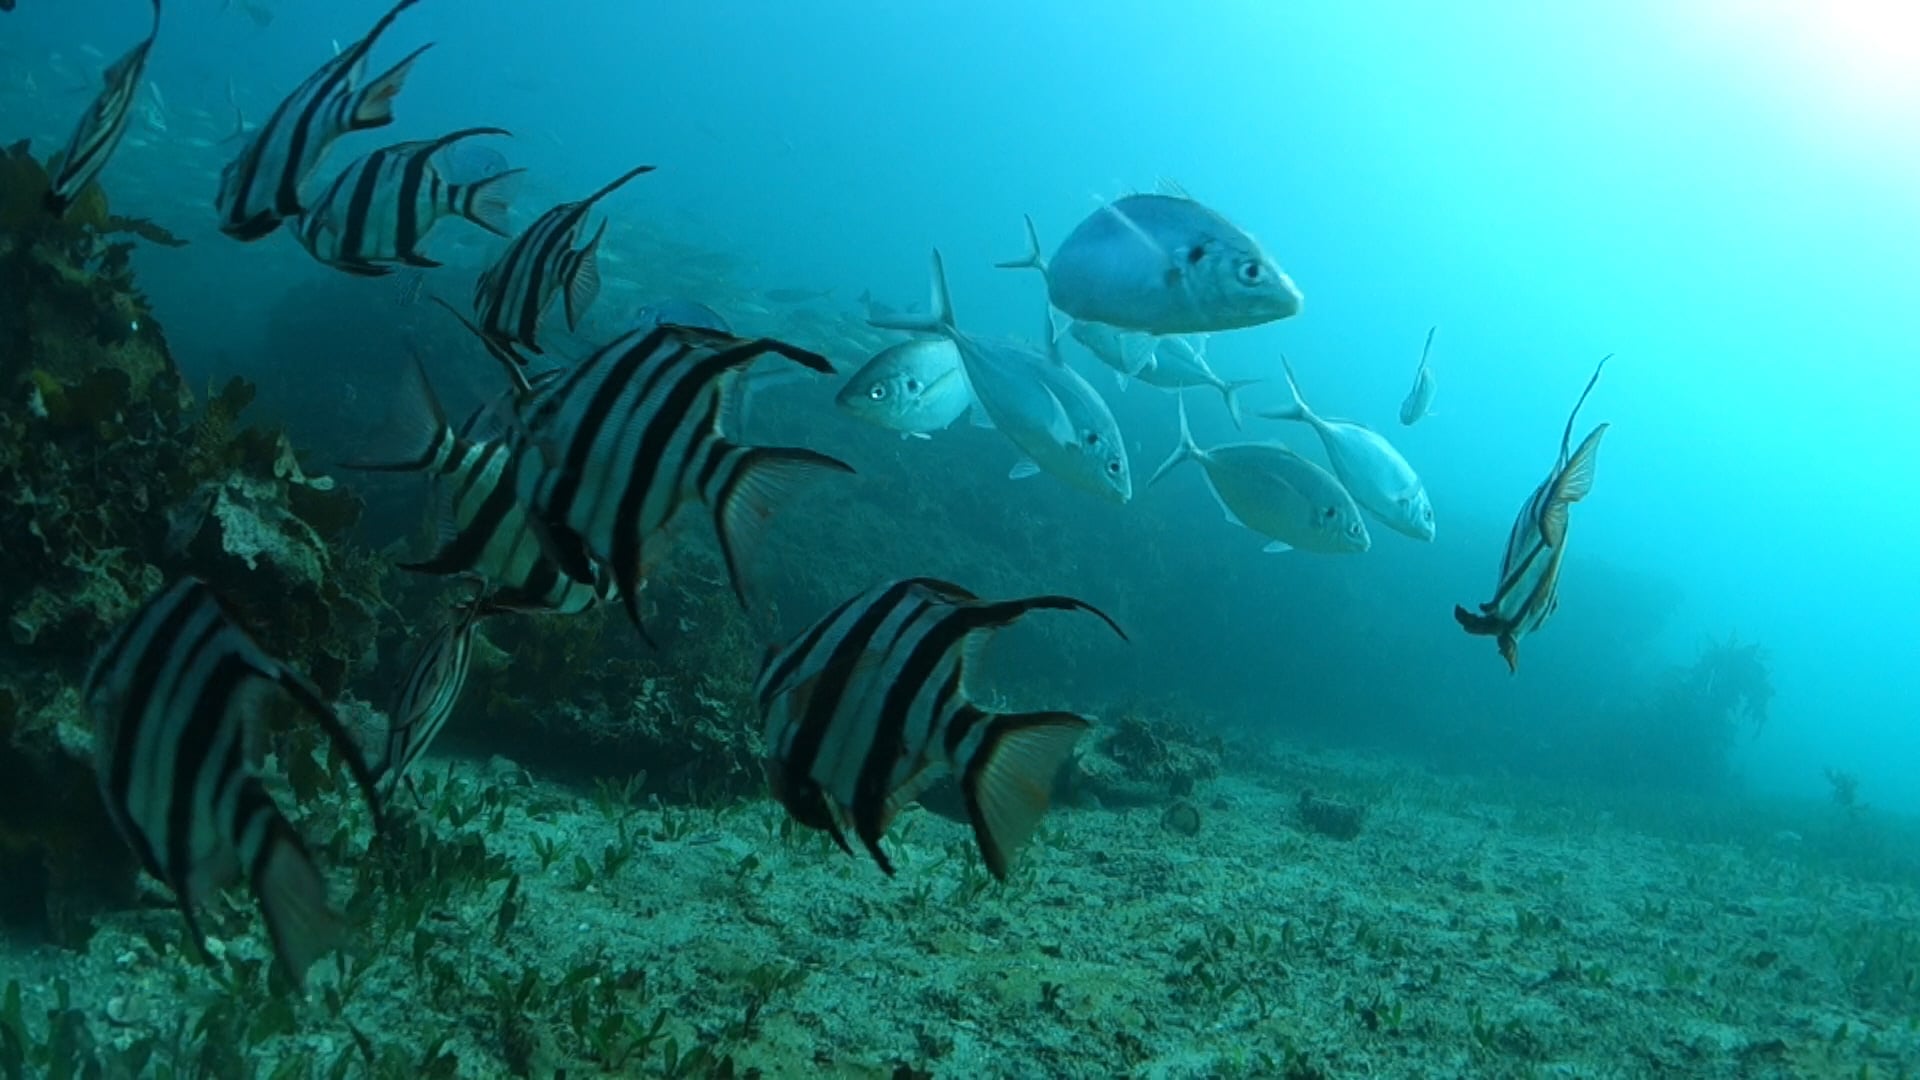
(1474,928)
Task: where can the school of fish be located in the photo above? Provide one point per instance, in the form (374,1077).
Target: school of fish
(555,495)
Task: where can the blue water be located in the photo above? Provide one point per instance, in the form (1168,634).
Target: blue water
(1721,195)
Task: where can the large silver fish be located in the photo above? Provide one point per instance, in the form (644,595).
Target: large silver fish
(915,388)
(1034,398)
(1163,264)
(1529,589)
(1379,478)
(1276,493)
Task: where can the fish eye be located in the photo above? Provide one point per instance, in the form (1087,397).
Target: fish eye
(1113,468)
(877,392)
(1251,272)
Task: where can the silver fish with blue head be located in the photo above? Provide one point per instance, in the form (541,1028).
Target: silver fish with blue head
(915,388)
(681,313)
(1163,264)
(1379,478)
(1181,361)
(1034,398)
(1275,492)
(1529,589)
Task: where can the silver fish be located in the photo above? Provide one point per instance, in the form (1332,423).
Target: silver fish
(1163,264)
(1045,407)
(1126,352)
(868,706)
(1529,589)
(1379,478)
(681,313)
(1419,401)
(1276,493)
(916,387)
(1181,362)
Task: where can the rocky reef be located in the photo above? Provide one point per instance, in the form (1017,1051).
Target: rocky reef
(114,480)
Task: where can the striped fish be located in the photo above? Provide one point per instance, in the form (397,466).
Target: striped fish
(380,208)
(431,690)
(261,188)
(869,706)
(1529,590)
(102,126)
(482,526)
(177,696)
(614,446)
(511,295)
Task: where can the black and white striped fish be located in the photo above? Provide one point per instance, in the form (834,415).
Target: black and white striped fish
(869,706)
(614,446)
(511,295)
(177,696)
(1529,589)
(261,188)
(481,525)
(430,691)
(100,129)
(380,208)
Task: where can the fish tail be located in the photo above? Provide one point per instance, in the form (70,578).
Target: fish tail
(374,107)
(745,501)
(423,440)
(293,897)
(1032,260)
(486,202)
(1188,450)
(1230,390)
(1488,626)
(1296,409)
(1007,779)
(939,318)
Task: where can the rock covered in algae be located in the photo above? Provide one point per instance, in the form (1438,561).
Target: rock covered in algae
(113,482)
(1143,759)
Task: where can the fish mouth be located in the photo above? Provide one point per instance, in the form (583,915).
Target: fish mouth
(1291,300)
